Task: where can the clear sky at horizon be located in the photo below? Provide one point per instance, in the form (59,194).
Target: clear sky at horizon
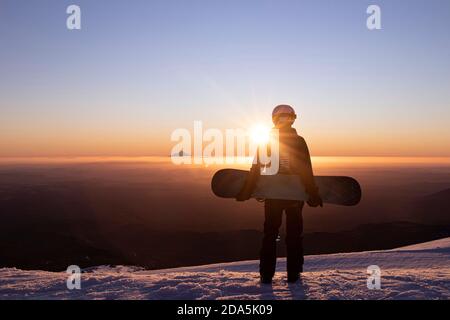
(140,69)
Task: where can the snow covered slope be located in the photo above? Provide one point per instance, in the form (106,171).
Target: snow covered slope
(414,272)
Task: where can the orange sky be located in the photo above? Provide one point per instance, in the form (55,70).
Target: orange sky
(120,87)
(139,141)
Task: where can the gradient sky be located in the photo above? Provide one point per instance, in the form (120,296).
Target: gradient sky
(139,69)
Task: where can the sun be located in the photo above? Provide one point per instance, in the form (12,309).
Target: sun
(260,134)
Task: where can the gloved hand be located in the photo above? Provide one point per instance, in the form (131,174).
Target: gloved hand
(243,196)
(315,200)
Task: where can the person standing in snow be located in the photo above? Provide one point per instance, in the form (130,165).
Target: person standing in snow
(294,158)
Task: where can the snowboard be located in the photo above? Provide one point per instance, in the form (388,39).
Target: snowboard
(339,190)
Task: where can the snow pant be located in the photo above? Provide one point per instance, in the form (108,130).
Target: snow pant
(273,211)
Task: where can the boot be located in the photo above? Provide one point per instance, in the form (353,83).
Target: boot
(265,280)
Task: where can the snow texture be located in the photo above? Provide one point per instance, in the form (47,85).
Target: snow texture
(414,272)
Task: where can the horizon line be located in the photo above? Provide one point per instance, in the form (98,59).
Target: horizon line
(317,159)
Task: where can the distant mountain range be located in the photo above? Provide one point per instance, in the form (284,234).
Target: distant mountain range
(39,246)
(94,214)
(433,208)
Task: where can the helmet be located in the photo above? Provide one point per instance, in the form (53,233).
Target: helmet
(283,109)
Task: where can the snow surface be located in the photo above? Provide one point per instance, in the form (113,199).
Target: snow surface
(414,272)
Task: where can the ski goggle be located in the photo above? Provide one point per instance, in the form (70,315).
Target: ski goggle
(285,116)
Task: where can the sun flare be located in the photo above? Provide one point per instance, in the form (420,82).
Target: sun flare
(260,134)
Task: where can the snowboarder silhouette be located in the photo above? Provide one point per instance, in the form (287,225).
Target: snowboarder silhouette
(294,158)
